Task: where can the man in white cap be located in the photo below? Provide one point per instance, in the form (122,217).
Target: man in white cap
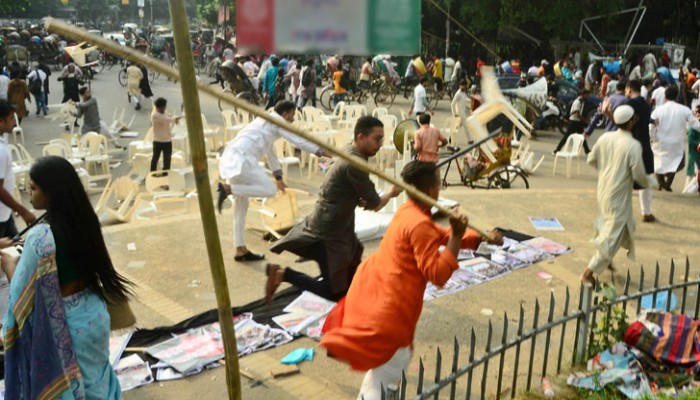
(542,70)
(618,158)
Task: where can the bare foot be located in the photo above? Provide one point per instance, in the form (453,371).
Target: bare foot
(275,277)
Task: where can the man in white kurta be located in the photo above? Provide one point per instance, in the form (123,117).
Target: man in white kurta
(133,78)
(239,167)
(459,110)
(668,134)
(618,158)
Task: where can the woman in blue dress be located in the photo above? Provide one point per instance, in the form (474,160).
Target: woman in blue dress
(56,330)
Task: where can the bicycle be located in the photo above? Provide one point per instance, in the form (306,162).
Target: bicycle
(357,95)
(385,92)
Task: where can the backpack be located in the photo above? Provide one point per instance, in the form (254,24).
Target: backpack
(306,78)
(345,80)
(35,85)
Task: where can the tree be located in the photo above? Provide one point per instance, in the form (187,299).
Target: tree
(27,8)
(208,10)
(92,10)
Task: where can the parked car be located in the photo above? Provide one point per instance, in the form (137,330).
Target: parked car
(567,93)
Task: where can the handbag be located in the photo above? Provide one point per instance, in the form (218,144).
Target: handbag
(120,315)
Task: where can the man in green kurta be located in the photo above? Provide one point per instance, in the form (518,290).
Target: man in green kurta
(327,236)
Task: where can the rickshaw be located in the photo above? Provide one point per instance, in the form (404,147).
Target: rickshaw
(475,169)
(237,83)
(20,54)
(86,57)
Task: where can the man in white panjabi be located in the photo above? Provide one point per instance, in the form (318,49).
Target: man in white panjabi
(459,109)
(618,158)
(133,78)
(246,178)
(668,134)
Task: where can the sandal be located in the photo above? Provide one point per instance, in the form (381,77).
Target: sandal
(271,270)
(249,256)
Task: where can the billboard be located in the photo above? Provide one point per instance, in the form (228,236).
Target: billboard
(328,26)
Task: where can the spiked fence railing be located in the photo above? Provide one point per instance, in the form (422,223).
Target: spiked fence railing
(547,344)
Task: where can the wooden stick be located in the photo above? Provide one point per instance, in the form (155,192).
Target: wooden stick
(132,55)
(195,130)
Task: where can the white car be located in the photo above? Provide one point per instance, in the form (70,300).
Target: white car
(116,35)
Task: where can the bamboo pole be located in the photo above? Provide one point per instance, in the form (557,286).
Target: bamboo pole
(195,133)
(150,62)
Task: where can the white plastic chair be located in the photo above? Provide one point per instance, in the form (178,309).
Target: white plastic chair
(144,146)
(165,183)
(59,148)
(17,131)
(351,113)
(572,149)
(166,195)
(95,146)
(380,112)
(90,182)
(390,123)
(21,163)
(286,157)
(231,125)
(211,135)
(279,213)
(119,199)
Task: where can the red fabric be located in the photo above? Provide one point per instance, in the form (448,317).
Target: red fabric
(633,332)
(479,64)
(678,343)
(385,299)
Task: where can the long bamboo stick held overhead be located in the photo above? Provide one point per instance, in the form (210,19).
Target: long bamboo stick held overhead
(132,55)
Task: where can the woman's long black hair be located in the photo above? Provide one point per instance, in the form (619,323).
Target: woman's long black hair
(73,220)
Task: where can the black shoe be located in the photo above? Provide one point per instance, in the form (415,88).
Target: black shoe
(222,196)
(249,256)
(138,107)
(37,113)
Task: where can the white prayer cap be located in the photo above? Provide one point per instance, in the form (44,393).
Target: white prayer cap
(623,114)
(544,62)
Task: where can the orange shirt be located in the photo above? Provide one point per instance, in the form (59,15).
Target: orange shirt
(337,75)
(691,80)
(381,310)
(428,140)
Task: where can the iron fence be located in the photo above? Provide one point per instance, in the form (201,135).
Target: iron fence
(546,346)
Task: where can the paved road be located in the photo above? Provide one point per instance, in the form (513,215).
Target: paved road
(170,255)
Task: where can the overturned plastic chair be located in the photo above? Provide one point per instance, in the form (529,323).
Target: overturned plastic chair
(279,213)
(119,199)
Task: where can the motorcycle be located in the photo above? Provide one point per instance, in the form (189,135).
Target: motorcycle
(553,116)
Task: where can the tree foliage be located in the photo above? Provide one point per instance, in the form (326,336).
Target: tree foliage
(674,20)
(92,10)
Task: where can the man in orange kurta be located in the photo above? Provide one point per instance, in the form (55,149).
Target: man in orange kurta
(373,327)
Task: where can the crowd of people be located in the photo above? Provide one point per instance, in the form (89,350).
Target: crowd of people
(643,144)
